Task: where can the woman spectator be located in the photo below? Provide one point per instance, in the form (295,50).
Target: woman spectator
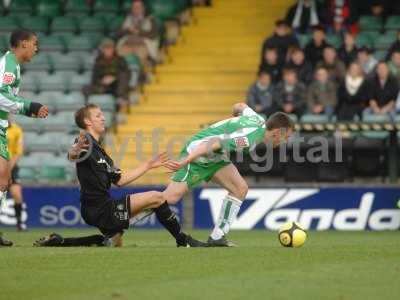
(321,95)
(139,35)
(352,93)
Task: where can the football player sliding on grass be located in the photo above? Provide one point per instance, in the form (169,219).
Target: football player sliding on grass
(205,158)
(96,173)
(23,48)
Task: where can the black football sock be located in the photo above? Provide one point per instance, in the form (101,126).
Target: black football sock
(85,241)
(168,219)
(18,212)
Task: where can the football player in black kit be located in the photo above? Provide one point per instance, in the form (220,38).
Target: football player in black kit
(96,172)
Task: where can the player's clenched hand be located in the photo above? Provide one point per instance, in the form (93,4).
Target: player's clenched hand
(43,112)
(82,142)
(158,161)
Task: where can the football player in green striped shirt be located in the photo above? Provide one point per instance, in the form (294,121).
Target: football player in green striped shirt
(23,44)
(205,157)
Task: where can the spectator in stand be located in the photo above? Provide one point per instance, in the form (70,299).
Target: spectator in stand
(282,39)
(302,67)
(260,95)
(394,47)
(348,51)
(271,64)
(139,35)
(305,14)
(314,48)
(366,60)
(338,13)
(336,68)
(290,93)
(383,91)
(110,74)
(394,64)
(321,94)
(352,93)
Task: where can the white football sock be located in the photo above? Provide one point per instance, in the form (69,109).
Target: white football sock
(229,210)
(3,197)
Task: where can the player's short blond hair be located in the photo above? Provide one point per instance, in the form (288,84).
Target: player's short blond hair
(82,113)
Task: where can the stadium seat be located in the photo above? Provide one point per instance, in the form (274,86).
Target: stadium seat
(37,24)
(64,24)
(364,39)
(92,24)
(370,23)
(54,82)
(29,124)
(58,122)
(162,10)
(115,24)
(3,44)
(71,102)
(303,39)
(105,5)
(8,24)
(384,41)
(77,8)
(51,174)
(77,82)
(62,62)
(87,60)
(41,62)
(21,8)
(335,40)
(27,174)
(48,8)
(41,142)
(380,54)
(51,43)
(50,99)
(392,23)
(106,102)
(79,43)
(30,82)
(311,118)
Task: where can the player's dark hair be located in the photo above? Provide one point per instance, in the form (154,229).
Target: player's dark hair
(83,113)
(279,120)
(19,35)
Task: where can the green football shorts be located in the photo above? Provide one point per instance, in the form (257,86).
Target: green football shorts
(4,148)
(194,173)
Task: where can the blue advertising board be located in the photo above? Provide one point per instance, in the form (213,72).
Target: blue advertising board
(314,208)
(60,207)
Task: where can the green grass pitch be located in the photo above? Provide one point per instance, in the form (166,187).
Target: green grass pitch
(331,265)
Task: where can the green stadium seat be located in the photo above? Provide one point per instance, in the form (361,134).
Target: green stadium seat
(162,10)
(79,43)
(41,62)
(105,101)
(3,45)
(87,60)
(384,41)
(115,24)
(48,8)
(335,40)
(21,8)
(364,39)
(71,102)
(51,99)
(96,24)
(380,54)
(109,117)
(77,82)
(37,24)
(29,82)
(29,124)
(392,23)
(57,123)
(51,174)
(106,16)
(106,5)
(8,24)
(66,140)
(77,8)
(370,23)
(304,39)
(126,6)
(63,62)
(54,82)
(42,142)
(64,24)
(94,37)
(27,174)
(312,118)
(51,43)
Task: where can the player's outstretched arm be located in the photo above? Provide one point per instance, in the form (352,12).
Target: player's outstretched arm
(129,176)
(201,150)
(238,108)
(81,145)
(19,105)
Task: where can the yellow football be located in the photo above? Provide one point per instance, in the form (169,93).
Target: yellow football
(292,234)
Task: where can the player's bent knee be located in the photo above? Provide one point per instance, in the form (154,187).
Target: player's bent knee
(158,199)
